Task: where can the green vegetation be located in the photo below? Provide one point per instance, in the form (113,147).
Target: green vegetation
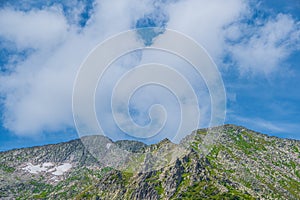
(126,177)
(295,149)
(159,189)
(297,173)
(42,195)
(205,190)
(6,168)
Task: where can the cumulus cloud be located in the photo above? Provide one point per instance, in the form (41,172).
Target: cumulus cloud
(224,28)
(268,45)
(35,28)
(205,21)
(37,94)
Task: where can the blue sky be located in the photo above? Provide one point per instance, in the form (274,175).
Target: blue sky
(255,45)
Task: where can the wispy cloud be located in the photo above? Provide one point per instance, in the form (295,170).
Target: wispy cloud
(270,127)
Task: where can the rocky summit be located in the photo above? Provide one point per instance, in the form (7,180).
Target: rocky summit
(226,162)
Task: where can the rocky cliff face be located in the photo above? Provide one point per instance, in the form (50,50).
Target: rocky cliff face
(227,162)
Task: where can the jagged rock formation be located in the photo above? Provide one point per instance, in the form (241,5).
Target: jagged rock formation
(227,162)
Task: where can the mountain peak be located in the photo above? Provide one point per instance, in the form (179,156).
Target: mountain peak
(166,140)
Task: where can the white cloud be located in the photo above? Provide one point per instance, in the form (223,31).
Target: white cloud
(33,29)
(256,48)
(204,21)
(38,93)
(267,47)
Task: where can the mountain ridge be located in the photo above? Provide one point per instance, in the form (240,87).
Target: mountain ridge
(76,139)
(229,162)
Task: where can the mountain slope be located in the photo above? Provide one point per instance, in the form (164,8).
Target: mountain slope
(227,162)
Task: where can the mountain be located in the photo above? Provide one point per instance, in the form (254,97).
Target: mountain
(226,162)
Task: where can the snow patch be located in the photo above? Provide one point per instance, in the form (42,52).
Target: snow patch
(60,170)
(48,164)
(34,169)
(48,167)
